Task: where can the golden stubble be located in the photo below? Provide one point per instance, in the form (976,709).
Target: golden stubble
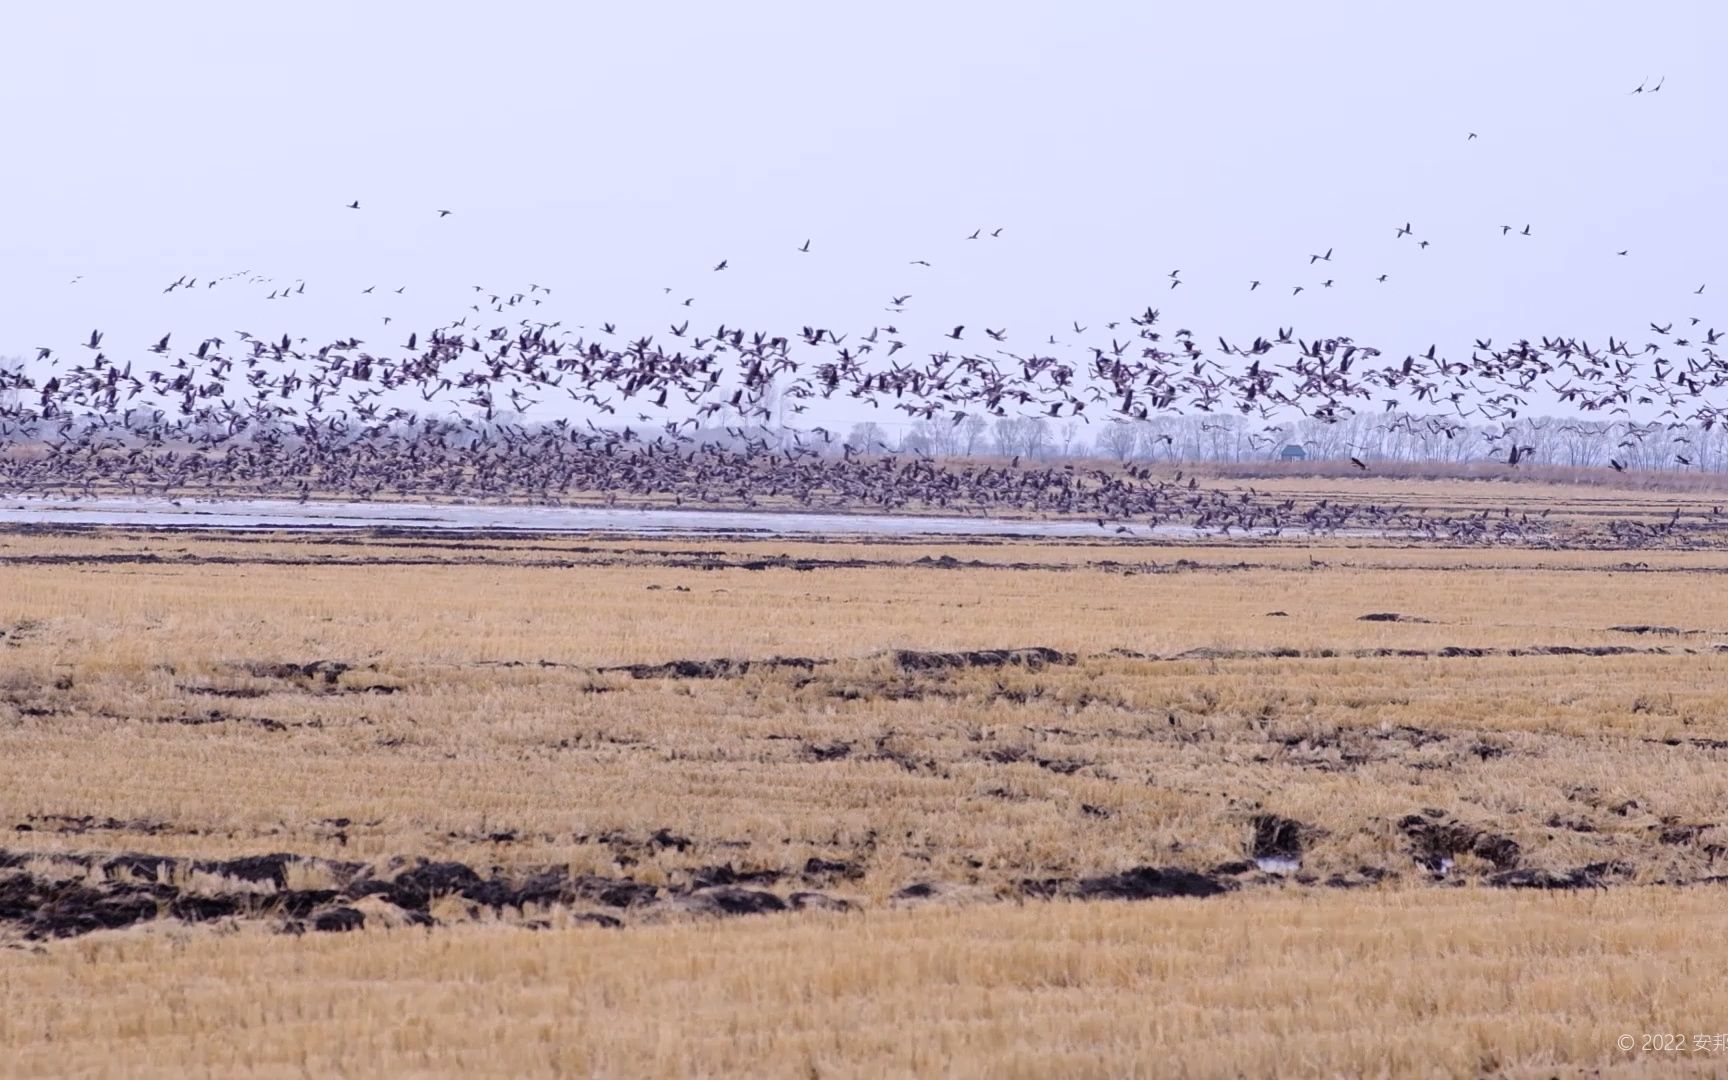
(137,690)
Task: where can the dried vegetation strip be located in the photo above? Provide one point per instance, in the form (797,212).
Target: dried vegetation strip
(1457,983)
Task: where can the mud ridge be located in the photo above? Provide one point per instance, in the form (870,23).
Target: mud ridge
(1033,658)
(714,669)
(46,896)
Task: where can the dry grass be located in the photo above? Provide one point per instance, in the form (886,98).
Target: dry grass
(1460,983)
(144,708)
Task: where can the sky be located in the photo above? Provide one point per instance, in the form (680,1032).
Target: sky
(611,152)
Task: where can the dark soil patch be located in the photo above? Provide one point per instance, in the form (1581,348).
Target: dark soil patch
(217,716)
(243,692)
(1593,876)
(339,920)
(270,869)
(720,668)
(141,867)
(1035,658)
(78,824)
(815,901)
(824,870)
(885,752)
(1696,744)
(832,751)
(730,900)
(1277,837)
(417,888)
(1434,839)
(1449,652)
(1151,883)
(1390,616)
(61,901)
(329,671)
(1361,878)
(1008,755)
(707,877)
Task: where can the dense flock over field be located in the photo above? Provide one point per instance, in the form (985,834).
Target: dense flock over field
(882,540)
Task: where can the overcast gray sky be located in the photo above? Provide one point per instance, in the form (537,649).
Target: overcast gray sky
(611,150)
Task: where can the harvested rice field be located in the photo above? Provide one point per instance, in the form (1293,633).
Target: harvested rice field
(501,804)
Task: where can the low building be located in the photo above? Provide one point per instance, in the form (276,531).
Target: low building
(1293,452)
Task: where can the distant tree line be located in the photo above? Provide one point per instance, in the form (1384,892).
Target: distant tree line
(1386,438)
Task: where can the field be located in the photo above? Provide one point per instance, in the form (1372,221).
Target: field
(511,803)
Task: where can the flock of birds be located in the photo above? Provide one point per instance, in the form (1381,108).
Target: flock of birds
(441,413)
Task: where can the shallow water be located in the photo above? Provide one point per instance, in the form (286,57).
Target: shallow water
(284,514)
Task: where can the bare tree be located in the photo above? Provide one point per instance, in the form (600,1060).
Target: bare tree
(935,437)
(1035,438)
(1070,432)
(1158,438)
(913,440)
(867,436)
(971,433)
(1118,440)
